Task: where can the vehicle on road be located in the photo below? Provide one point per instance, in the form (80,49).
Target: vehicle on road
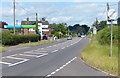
(82,36)
(69,38)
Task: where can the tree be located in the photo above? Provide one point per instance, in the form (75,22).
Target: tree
(79,29)
(100,25)
(59,29)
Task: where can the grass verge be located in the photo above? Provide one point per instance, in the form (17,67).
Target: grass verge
(2,49)
(35,43)
(98,56)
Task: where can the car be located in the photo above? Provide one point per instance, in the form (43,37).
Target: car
(69,38)
(82,36)
(44,37)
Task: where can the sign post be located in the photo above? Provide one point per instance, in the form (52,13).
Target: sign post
(111,20)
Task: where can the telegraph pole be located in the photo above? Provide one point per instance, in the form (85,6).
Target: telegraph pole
(37,23)
(14,15)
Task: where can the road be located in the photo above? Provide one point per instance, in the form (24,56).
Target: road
(61,58)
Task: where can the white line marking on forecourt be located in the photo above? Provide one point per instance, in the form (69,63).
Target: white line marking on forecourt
(61,67)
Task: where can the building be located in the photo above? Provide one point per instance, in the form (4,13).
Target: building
(2,26)
(44,24)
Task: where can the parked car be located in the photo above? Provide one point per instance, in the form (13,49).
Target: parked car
(69,38)
(44,37)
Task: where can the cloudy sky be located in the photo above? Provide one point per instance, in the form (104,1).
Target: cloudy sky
(70,12)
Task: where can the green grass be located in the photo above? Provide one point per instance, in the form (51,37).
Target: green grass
(2,49)
(98,56)
(35,43)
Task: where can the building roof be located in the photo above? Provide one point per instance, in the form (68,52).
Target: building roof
(2,24)
(34,22)
(27,22)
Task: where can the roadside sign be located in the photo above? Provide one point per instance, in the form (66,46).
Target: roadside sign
(94,30)
(112,16)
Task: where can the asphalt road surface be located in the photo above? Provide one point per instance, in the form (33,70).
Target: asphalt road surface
(61,58)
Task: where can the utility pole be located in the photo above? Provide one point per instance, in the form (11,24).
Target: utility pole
(37,24)
(14,15)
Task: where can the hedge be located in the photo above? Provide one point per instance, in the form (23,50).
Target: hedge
(13,39)
(104,35)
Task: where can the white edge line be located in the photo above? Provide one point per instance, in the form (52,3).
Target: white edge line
(96,68)
(61,67)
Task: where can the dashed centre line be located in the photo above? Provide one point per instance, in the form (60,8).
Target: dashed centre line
(63,48)
(54,51)
(61,67)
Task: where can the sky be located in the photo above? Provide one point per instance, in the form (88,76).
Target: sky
(56,11)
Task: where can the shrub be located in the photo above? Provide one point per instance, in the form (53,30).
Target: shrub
(104,35)
(12,39)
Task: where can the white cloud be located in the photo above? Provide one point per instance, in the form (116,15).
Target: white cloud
(61,12)
(62,0)
(65,19)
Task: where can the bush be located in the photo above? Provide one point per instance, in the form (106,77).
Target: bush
(104,35)
(12,39)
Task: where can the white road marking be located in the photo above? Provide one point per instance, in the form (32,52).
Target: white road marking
(42,51)
(54,45)
(42,55)
(61,67)
(49,46)
(71,44)
(15,58)
(33,53)
(10,55)
(54,51)
(42,48)
(5,63)
(18,62)
(67,46)
(28,55)
(63,48)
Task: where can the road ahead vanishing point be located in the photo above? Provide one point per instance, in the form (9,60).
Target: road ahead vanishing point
(61,58)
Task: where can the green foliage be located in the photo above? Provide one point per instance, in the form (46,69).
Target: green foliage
(79,29)
(59,30)
(100,25)
(12,39)
(16,30)
(104,35)
(98,56)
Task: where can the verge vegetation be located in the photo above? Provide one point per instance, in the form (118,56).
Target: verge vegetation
(97,52)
